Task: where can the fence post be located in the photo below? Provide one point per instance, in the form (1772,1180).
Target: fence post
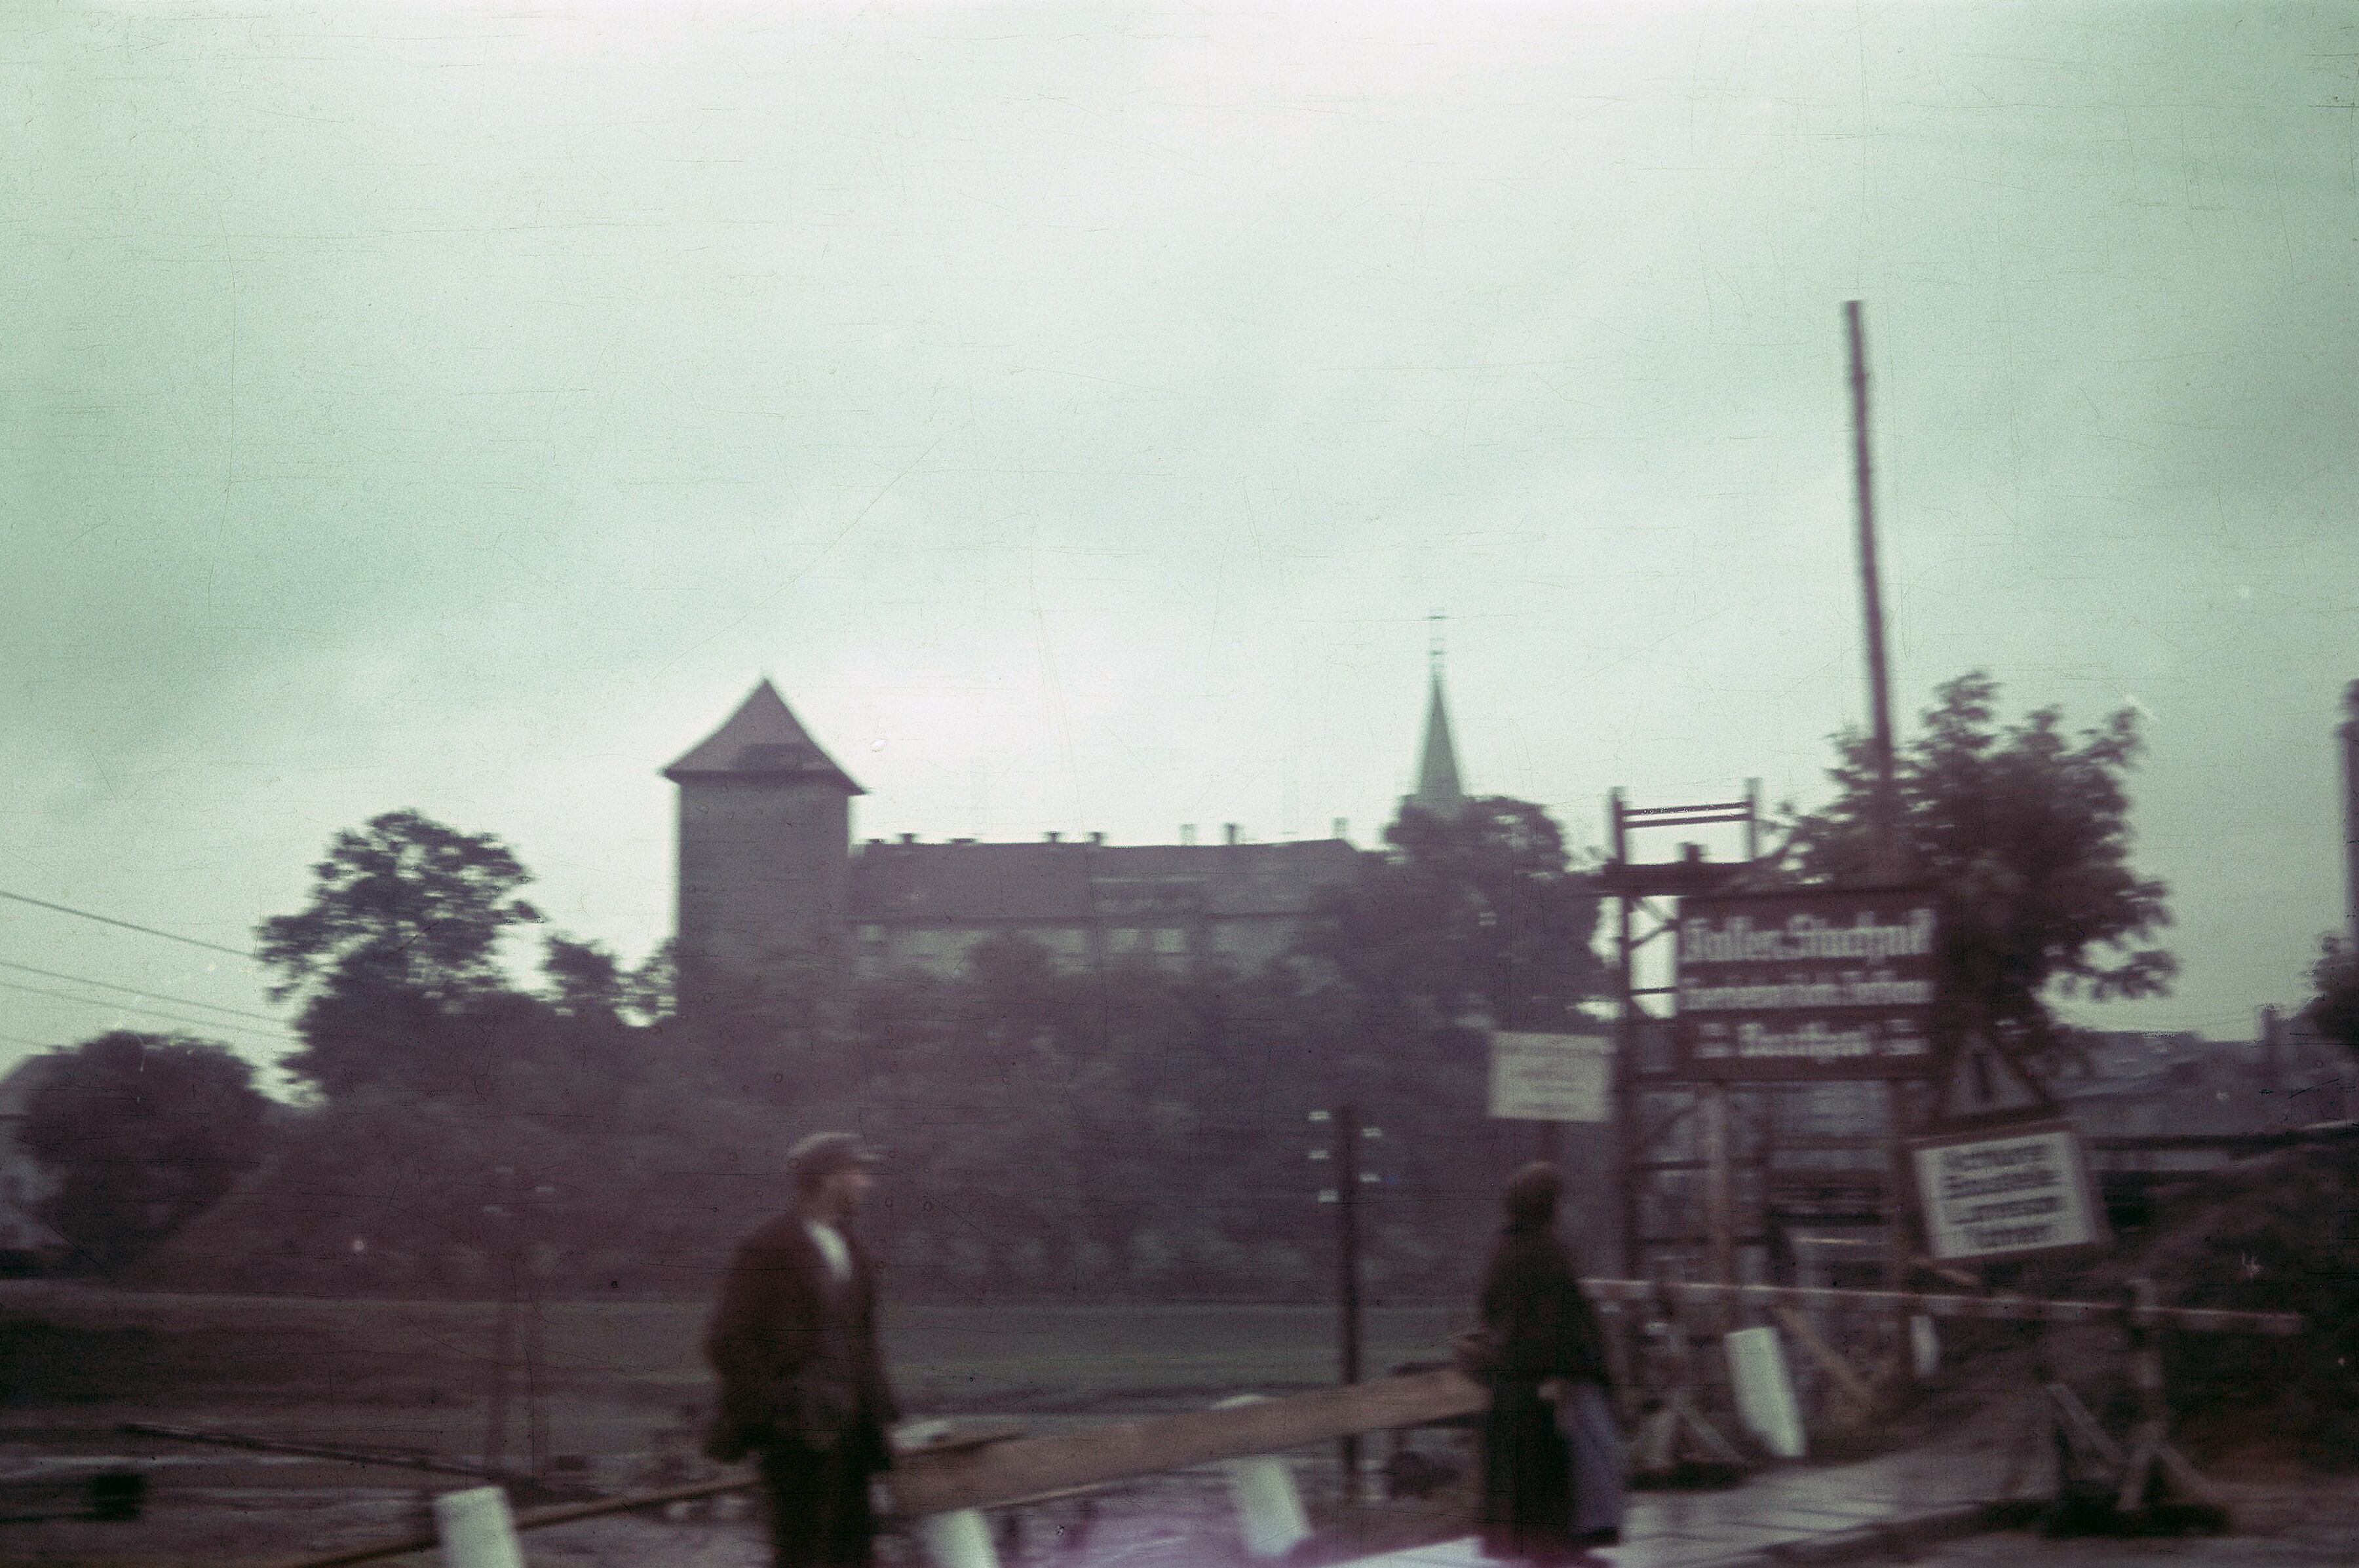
(477,1531)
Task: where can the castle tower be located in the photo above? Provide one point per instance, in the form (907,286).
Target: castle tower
(765,853)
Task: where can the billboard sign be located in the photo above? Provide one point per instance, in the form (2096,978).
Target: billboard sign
(1814,982)
(1552,1077)
(2006,1193)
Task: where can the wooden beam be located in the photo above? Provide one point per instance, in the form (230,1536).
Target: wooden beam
(2083,1426)
(2007,1308)
(1831,1360)
(1006,1472)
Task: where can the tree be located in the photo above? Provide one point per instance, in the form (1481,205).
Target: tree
(404,904)
(397,958)
(652,990)
(1480,909)
(2334,1011)
(144,1132)
(2025,835)
(584,978)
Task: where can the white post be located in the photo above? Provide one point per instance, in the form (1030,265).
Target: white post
(1269,1508)
(1764,1392)
(477,1531)
(1924,1346)
(958,1540)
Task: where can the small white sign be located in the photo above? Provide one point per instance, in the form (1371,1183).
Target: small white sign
(1552,1077)
(2008,1194)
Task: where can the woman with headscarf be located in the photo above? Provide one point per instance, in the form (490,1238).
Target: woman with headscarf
(1551,1459)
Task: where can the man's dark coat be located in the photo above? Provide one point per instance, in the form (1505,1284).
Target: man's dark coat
(803,1388)
(1537,1325)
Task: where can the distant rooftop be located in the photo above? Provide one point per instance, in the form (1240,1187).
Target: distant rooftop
(1073,882)
(762,739)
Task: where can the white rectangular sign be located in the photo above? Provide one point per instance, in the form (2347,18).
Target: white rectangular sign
(1552,1077)
(2004,1194)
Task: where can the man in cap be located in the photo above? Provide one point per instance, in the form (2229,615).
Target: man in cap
(803,1388)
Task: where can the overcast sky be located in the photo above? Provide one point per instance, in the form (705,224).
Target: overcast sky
(1077,410)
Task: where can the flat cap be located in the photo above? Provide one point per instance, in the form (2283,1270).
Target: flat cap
(826,1153)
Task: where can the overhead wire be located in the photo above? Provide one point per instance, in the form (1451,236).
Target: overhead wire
(152,1012)
(135,991)
(127,925)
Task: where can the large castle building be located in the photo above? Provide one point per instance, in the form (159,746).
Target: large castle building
(769,877)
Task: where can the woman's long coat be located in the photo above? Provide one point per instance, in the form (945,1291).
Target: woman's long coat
(1537,1325)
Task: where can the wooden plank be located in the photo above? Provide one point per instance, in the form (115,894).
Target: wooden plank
(2009,1307)
(2083,1426)
(1829,1358)
(2185,1476)
(1001,1472)
(2134,1472)
(326,1450)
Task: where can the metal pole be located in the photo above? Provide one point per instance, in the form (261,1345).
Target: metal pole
(1625,1052)
(1347,1259)
(1879,692)
(1896,1226)
(1718,1196)
(501,1214)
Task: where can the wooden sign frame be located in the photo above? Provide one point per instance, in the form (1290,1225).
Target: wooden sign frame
(1697,1033)
(2077,1172)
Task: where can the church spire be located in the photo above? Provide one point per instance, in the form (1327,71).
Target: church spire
(1438,789)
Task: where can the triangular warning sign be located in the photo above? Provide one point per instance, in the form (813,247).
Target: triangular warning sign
(1987,1081)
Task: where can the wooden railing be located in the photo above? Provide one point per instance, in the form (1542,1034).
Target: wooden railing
(999,1467)
(998,1470)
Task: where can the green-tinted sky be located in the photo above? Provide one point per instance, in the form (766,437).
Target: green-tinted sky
(1078,409)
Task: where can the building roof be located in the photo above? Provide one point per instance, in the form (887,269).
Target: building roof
(1075,883)
(1438,788)
(762,740)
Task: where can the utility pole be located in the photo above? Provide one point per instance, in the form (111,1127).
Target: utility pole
(1347,1263)
(516,1330)
(1879,689)
(2350,733)
(1888,867)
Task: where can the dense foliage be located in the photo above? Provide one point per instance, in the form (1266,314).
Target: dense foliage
(2025,833)
(1134,1131)
(142,1133)
(2334,1010)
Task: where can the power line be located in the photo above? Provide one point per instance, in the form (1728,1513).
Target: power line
(135,991)
(127,925)
(126,1007)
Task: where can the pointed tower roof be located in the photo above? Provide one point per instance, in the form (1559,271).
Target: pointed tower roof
(762,740)
(1437,787)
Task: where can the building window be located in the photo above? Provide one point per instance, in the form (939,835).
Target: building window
(1171,940)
